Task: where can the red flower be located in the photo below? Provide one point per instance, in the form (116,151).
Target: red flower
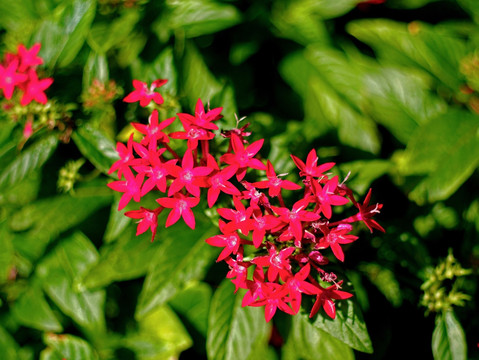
(326,196)
(202,119)
(153,131)
(274,184)
(243,158)
(34,89)
(145,94)
(274,297)
(336,237)
(181,207)
(311,167)
(229,240)
(131,187)
(325,297)
(29,58)
(9,78)
(277,262)
(186,175)
(366,212)
(149,220)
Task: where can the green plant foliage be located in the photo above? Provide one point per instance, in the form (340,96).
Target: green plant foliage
(386,90)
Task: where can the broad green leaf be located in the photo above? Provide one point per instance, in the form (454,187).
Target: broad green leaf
(67,263)
(163,67)
(8,346)
(117,223)
(446,150)
(96,68)
(193,304)
(472,7)
(183,256)
(7,253)
(19,14)
(63,33)
(160,335)
(363,172)
(399,100)
(409,4)
(233,329)
(96,147)
(192,18)
(23,192)
(198,81)
(105,35)
(129,257)
(329,102)
(385,280)
(32,310)
(448,339)
(307,342)
(348,326)
(415,45)
(67,347)
(43,220)
(29,160)
(300,21)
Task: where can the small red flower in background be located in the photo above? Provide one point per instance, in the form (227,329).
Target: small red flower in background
(18,71)
(145,94)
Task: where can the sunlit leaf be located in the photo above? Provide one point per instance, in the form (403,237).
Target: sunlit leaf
(348,326)
(448,339)
(196,17)
(183,256)
(307,342)
(160,335)
(96,147)
(29,160)
(416,45)
(68,347)
(233,329)
(61,269)
(129,257)
(32,310)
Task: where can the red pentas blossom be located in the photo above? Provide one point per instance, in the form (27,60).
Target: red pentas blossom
(18,72)
(145,94)
(288,242)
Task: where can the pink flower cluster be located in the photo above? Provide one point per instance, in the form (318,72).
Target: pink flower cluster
(18,71)
(289,241)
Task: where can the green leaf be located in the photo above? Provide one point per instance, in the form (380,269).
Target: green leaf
(27,162)
(348,326)
(385,280)
(96,147)
(63,33)
(448,339)
(446,150)
(7,253)
(117,223)
(45,219)
(202,85)
(18,15)
(415,45)
(183,256)
(364,172)
(8,346)
(194,18)
(161,335)
(472,7)
(32,310)
(400,100)
(96,67)
(127,258)
(23,192)
(193,304)
(307,342)
(105,35)
(67,347)
(233,329)
(326,79)
(67,263)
